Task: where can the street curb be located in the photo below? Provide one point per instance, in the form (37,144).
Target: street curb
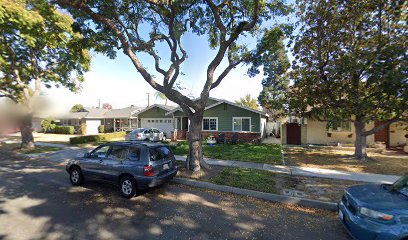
(261,195)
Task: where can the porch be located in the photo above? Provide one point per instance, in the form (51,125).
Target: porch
(181,124)
(120,124)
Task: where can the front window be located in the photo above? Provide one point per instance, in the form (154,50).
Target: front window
(210,124)
(241,124)
(100,152)
(344,126)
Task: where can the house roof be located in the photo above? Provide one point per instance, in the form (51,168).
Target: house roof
(220,101)
(96,112)
(236,105)
(164,107)
(101,113)
(73,115)
(195,99)
(123,112)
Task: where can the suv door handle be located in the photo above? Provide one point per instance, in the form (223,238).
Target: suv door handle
(100,161)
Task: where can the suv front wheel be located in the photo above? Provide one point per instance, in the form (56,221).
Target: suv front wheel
(127,187)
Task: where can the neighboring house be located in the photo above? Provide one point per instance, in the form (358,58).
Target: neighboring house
(220,116)
(303,131)
(124,119)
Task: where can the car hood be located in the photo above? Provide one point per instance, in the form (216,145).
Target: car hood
(377,197)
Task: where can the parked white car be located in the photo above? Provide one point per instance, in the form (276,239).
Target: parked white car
(146,134)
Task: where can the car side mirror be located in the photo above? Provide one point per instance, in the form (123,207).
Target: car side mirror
(87,155)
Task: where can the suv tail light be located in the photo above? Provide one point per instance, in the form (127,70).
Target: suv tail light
(148,171)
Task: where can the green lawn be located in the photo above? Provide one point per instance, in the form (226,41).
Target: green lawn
(247,178)
(260,153)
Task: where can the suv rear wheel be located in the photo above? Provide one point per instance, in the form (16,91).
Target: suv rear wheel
(127,187)
(76,177)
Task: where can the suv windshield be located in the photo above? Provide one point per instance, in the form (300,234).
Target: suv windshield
(401,185)
(160,153)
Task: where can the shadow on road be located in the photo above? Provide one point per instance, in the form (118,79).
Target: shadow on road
(37,202)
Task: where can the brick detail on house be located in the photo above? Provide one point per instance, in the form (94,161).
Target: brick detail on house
(243,137)
(179,135)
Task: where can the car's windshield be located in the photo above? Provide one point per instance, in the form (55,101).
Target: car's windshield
(401,185)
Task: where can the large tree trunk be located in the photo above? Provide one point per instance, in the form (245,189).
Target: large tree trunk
(27,138)
(195,158)
(194,142)
(360,151)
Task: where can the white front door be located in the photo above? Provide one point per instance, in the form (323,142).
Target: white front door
(163,124)
(92,126)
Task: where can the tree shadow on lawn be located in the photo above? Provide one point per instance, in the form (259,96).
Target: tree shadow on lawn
(38,202)
(338,159)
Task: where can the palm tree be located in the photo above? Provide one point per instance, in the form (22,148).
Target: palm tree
(160,95)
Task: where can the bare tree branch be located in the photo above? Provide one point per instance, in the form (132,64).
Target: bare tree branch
(384,125)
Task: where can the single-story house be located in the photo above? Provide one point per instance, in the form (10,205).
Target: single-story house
(304,131)
(220,116)
(124,119)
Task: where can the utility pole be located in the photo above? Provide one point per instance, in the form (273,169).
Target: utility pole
(148,99)
(99,103)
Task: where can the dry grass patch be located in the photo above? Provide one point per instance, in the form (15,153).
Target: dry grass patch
(388,162)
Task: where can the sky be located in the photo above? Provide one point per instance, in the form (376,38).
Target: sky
(117,82)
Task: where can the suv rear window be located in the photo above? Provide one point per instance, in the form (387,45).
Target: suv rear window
(160,153)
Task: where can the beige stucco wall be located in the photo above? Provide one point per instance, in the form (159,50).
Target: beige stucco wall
(397,134)
(283,134)
(317,134)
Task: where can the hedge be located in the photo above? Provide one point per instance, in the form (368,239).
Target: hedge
(64,129)
(96,138)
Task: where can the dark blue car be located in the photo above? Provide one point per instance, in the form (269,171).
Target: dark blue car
(131,165)
(376,211)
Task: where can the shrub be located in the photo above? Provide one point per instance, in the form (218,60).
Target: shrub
(52,127)
(47,124)
(101,129)
(83,128)
(65,129)
(96,138)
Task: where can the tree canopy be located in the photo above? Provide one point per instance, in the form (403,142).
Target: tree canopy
(77,108)
(248,102)
(351,63)
(38,47)
(275,65)
(38,44)
(140,27)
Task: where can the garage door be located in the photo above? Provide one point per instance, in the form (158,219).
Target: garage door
(163,124)
(92,126)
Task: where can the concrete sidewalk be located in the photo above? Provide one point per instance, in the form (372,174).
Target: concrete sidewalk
(304,171)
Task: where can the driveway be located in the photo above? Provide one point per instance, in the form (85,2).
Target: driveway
(37,202)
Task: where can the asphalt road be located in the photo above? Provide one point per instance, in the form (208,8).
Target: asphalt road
(37,202)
